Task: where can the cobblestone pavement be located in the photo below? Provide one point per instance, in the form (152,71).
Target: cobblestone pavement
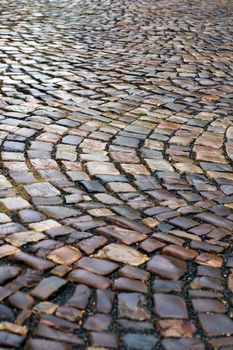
(116,184)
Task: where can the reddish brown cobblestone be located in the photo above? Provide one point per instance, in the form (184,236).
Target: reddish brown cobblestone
(116,182)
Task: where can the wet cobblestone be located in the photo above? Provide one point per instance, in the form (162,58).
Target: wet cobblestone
(116,182)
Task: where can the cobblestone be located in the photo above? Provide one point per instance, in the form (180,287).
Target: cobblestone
(116,183)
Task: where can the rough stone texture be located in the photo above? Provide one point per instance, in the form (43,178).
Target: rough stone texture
(116,182)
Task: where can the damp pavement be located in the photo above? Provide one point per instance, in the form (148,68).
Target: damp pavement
(116,182)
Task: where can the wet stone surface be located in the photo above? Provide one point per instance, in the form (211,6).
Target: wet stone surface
(116,183)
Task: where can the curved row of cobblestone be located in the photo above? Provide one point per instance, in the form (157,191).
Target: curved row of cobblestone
(116,184)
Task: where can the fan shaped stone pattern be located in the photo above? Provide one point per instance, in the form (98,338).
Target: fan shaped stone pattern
(116,183)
